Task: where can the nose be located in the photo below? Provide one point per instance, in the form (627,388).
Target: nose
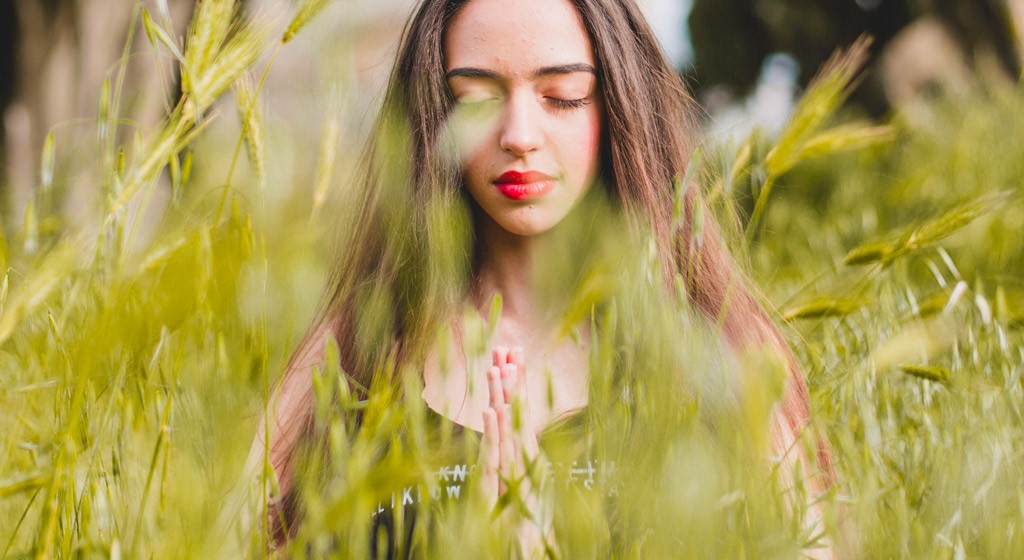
(521,131)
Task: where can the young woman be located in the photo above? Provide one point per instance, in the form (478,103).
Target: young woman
(520,142)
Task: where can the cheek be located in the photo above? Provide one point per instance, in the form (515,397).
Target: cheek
(472,133)
(477,166)
(476,162)
(473,155)
(590,142)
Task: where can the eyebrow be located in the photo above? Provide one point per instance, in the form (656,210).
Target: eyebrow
(538,73)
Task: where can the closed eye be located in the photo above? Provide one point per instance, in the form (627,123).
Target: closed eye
(569,103)
(476,100)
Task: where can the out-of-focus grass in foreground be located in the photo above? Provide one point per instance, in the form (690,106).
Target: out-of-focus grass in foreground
(134,374)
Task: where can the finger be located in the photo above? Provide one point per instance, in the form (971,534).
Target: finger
(516,357)
(530,446)
(526,444)
(506,443)
(526,439)
(519,397)
(489,443)
(489,459)
(509,382)
(499,356)
(497,395)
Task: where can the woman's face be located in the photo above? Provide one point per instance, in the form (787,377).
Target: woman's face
(528,117)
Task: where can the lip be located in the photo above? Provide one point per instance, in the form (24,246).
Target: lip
(524,185)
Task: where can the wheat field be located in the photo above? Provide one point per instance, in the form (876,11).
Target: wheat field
(137,360)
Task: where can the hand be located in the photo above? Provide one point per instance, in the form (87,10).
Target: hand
(509,444)
(509,452)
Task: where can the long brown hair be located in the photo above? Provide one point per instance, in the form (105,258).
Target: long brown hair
(406,256)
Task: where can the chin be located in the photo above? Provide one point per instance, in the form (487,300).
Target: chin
(528,222)
(527,231)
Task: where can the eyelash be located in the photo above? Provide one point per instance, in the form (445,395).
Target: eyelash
(569,103)
(560,104)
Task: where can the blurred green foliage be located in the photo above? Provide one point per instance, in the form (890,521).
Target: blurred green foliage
(133,377)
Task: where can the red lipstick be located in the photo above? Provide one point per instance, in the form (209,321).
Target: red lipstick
(520,185)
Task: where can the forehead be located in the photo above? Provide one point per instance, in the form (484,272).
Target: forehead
(515,37)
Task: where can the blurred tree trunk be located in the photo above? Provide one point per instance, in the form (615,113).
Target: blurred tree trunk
(60,53)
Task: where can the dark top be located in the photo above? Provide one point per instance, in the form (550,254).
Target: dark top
(574,467)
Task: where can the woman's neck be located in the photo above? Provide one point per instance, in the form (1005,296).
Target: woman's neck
(506,268)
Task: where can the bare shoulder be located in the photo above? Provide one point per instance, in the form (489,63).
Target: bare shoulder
(291,394)
(310,351)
